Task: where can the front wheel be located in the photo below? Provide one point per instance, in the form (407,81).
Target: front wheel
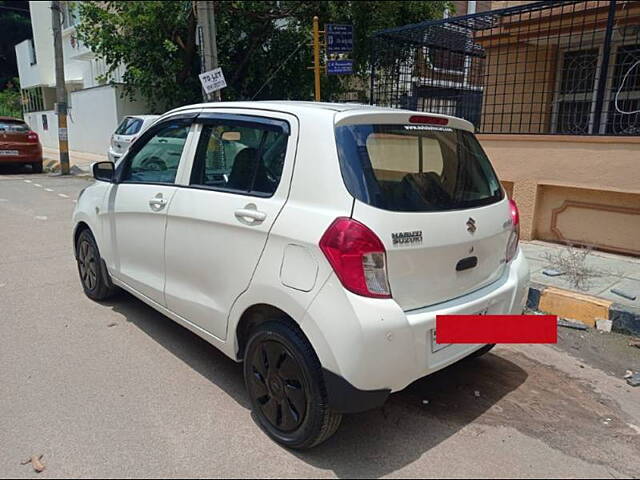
(95,280)
(286,387)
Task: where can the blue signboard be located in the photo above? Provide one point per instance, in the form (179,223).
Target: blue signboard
(339,67)
(339,38)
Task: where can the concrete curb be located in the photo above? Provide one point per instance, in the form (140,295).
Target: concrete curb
(53,166)
(583,308)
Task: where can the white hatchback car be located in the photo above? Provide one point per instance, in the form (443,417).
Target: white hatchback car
(128,130)
(314,242)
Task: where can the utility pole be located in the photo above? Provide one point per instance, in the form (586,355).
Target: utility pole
(61,91)
(316,58)
(207,22)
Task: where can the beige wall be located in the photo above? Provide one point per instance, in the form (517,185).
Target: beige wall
(461,7)
(603,218)
(593,184)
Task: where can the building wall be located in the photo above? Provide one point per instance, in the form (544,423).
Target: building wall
(127,106)
(592,184)
(462,7)
(49,137)
(95,108)
(92,119)
(43,42)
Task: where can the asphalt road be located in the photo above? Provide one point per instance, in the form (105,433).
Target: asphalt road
(118,390)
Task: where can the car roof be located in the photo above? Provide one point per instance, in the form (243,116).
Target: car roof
(11,119)
(341,110)
(292,106)
(144,117)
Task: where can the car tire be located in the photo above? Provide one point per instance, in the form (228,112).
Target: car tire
(92,270)
(482,351)
(36,167)
(286,387)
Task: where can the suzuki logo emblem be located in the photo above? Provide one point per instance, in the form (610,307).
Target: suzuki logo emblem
(471,225)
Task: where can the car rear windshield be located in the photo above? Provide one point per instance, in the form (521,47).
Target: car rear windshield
(13,126)
(416,168)
(129,126)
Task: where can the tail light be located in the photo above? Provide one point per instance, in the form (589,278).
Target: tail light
(358,257)
(428,119)
(514,238)
(32,137)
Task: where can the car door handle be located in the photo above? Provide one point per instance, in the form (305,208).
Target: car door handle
(157,204)
(250,213)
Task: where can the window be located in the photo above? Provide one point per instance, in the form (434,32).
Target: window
(409,168)
(70,14)
(575,101)
(158,159)
(576,93)
(241,157)
(32,53)
(32,100)
(624,103)
(129,126)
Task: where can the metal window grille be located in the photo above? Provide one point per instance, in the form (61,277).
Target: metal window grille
(32,100)
(555,67)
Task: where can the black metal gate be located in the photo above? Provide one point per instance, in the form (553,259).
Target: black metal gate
(555,67)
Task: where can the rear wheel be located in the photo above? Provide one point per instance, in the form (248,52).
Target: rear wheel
(36,167)
(286,387)
(93,275)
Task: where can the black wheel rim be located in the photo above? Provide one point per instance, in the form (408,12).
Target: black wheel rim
(277,385)
(88,264)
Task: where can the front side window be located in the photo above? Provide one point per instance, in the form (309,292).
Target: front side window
(158,159)
(240,158)
(409,168)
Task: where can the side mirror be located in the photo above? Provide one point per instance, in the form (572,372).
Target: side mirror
(104,171)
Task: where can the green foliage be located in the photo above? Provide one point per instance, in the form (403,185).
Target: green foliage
(15,26)
(10,100)
(256,40)
(155,41)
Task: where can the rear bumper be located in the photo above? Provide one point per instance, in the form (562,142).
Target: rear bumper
(37,158)
(376,347)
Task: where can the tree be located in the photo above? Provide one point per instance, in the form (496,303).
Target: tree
(155,41)
(15,26)
(11,100)
(262,45)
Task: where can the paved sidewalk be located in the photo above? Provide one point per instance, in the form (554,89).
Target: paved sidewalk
(609,272)
(608,287)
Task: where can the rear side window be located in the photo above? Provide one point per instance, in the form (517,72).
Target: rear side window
(242,158)
(129,126)
(410,168)
(10,126)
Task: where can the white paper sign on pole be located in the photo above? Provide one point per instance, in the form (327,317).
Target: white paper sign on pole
(212,80)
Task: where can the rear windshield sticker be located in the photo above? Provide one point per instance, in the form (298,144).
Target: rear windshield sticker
(428,127)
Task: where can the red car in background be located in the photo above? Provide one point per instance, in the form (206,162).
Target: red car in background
(19,144)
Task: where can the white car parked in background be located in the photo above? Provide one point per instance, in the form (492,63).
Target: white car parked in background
(128,130)
(314,242)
